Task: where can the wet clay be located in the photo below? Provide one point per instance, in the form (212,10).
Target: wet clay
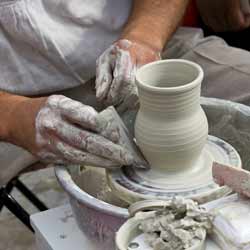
(87,179)
(180,225)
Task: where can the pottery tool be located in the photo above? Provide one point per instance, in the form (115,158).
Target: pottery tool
(235,178)
(171,130)
(110,116)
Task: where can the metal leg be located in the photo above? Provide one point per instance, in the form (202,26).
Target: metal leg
(7,200)
(9,187)
(15,208)
(29,195)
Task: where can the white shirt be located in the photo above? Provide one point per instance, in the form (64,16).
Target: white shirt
(50,45)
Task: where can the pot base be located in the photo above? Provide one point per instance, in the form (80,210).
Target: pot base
(197,183)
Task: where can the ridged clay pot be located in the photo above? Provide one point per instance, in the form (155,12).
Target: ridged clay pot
(171,128)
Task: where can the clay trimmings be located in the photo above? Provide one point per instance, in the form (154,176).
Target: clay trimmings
(177,227)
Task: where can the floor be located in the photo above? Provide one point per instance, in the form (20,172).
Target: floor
(13,234)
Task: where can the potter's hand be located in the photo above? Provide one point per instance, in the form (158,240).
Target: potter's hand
(115,73)
(223,15)
(66,131)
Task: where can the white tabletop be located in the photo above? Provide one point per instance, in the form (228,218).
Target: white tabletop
(56,229)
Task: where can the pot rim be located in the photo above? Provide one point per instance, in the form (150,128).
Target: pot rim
(177,89)
(74,191)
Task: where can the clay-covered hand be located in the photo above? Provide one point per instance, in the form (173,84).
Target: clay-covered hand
(67,131)
(115,72)
(223,15)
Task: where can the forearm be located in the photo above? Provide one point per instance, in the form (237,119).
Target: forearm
(16,114)
(154,21)
(8,103)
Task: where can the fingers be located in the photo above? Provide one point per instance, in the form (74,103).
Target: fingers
(60,152)
(104,76)
(63,121)
(76,156)
(106,125)
(115,74)
(131,102)
(51,157)
(120,64)
(77,113)
(122,79)
(91,143)
(83,115)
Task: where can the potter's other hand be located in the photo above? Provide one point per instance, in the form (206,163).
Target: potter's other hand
(115,73)
(223,15)
(66,131)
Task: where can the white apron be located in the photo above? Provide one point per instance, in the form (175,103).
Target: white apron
(51,45)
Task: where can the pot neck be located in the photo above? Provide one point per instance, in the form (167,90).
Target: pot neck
(170,104)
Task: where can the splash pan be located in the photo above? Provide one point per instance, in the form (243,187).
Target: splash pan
(197,183)
(99,214)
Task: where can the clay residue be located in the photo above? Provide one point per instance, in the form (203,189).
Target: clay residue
(178,226)
(67,215)
(246,187)
(93,181)
(110,118)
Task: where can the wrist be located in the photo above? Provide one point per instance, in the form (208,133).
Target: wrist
(155,42)
(8,105)
(153,22)
(20,121)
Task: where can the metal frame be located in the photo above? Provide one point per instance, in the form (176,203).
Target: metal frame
(8,201)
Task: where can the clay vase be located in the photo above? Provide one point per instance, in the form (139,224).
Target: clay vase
(171,128)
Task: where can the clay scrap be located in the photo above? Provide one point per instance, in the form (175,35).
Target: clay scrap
(178,226)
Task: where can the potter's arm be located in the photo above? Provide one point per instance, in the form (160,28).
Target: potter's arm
(47,128)
(149,27)
(154,21)
(8,104)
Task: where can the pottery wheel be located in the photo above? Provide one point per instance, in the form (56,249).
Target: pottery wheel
(197,183)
